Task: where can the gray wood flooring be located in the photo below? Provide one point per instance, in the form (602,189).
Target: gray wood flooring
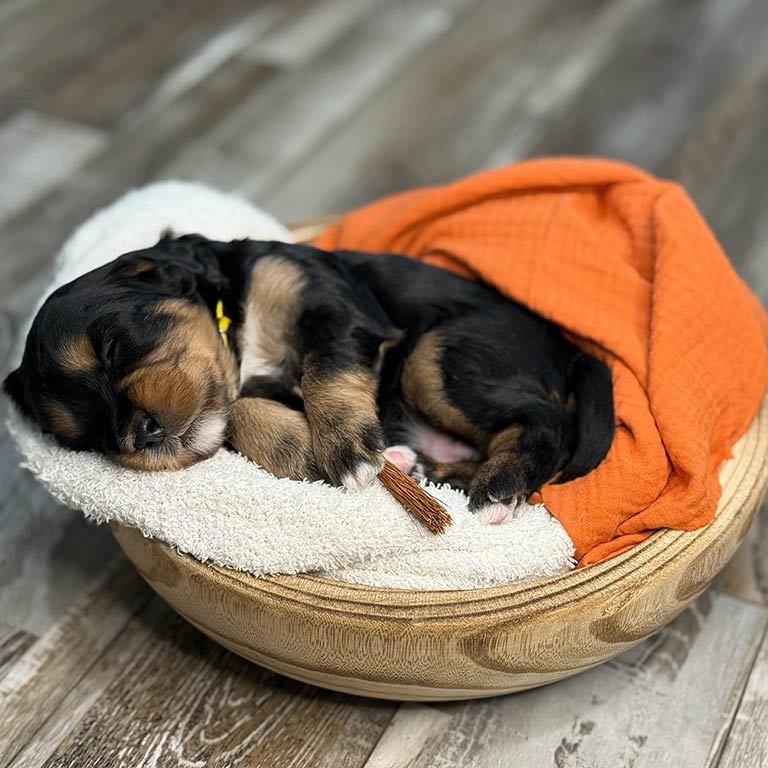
(310,107)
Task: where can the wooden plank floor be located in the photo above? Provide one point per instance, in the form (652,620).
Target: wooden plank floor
(307,107)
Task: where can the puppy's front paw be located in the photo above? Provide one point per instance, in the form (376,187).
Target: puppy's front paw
(351,459)
(362,476)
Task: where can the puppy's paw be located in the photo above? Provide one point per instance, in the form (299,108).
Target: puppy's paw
(403,457)
(494,484)
(495,514)
(351,459)
(361,476)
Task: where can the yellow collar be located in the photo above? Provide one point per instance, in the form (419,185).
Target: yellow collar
(223,322)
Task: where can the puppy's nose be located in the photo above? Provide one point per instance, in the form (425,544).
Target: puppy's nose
(148,432)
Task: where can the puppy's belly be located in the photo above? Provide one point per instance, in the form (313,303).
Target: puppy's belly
(440,446)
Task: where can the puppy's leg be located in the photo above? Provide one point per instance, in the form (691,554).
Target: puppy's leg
(457,474)
(347,439)
(520,460)
(466,390)
(273,436)
(343,331)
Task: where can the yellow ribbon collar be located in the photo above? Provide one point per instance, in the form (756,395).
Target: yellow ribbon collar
(223,322)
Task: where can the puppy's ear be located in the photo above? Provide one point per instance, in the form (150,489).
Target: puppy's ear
(196,254)
(15,388)
(178,266)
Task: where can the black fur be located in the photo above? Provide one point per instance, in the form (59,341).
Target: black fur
(502,366)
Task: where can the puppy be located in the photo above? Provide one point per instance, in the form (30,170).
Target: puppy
(322,361)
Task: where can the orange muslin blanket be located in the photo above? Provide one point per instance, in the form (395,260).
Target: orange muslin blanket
(623,263)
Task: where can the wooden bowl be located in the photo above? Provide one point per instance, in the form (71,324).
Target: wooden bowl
(428,645)
(425,645)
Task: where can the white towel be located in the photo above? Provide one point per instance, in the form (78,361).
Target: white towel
(228,511)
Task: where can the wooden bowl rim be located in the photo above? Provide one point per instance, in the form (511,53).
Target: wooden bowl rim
(625,570)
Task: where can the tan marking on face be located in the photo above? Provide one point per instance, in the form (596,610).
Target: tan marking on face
(273,436)
(77,355)
(61,421)
(183,384)
(424,390)
(271,312)
(171,395)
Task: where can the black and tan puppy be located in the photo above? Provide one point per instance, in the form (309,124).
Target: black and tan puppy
(334,356)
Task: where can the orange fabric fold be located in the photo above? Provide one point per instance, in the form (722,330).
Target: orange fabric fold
(624,263)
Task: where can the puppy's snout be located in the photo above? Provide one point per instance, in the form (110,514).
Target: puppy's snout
(148,432)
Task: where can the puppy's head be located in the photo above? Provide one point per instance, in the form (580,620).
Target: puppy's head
(127,359)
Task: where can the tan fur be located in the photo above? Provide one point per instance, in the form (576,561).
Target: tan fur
(78,355)
(149,461)
(458,474)
(172,383)
(273,436)
(569,406)
(271,313)
(140,266)
(506,440)
(61,420)
(341,410)
(423,388)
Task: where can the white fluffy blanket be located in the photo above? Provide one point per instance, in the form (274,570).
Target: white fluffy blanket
(228,511)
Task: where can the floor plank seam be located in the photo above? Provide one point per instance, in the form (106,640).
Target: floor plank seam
(721,740)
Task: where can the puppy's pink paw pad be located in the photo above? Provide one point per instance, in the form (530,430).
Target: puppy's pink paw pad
(403,457)
(494,514)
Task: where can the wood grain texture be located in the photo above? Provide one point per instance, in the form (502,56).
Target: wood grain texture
(485,82)
(182,700)
(35,685)
(425,645)
(747,745)
(664,703)
(37,153)
(303,36)
(696,48)
(198,33)
(117,657)
(135,156)
(13,643)
(275,130)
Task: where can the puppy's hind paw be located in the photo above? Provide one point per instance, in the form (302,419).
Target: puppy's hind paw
(361,476)
(495,514)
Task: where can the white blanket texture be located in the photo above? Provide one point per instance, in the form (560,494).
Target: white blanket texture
(227,510)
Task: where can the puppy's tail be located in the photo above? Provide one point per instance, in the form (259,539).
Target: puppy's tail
(595,421)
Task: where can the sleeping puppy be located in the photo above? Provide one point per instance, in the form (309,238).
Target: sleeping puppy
(329,358)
